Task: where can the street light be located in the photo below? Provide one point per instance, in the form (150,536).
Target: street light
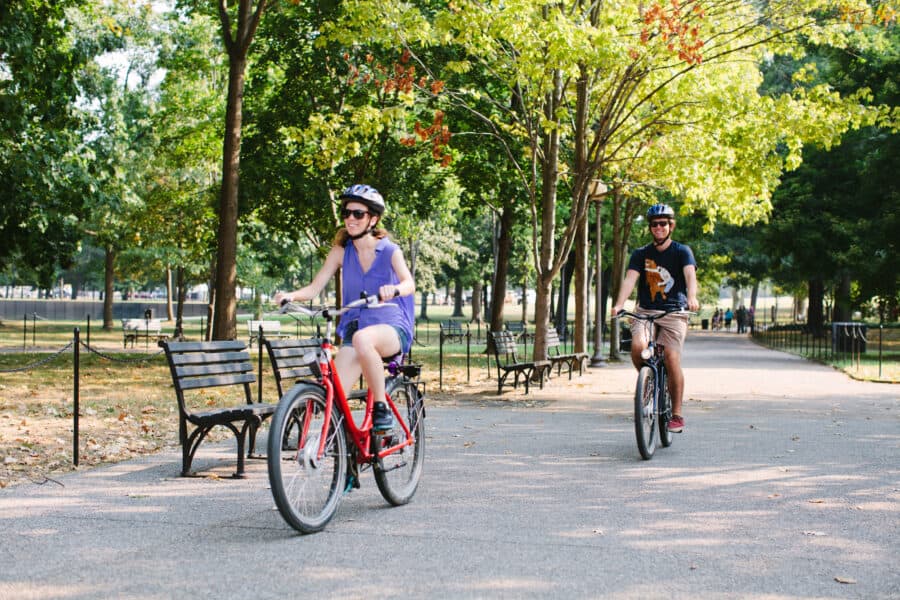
(596,191)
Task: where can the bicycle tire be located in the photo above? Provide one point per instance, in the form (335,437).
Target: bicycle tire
(665,412)
(644,413)
(307,489)
(397,474)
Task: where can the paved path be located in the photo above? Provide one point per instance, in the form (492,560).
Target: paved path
(785,484)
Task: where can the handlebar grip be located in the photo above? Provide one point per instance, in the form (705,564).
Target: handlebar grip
(285,302)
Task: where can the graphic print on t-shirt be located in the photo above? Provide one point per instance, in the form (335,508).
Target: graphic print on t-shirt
(659,280)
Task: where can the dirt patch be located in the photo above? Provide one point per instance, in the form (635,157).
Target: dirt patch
(126,411)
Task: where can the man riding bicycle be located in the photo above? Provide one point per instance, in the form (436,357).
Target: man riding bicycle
(666,274)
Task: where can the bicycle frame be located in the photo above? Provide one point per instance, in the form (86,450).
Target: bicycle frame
(329,380)
(657,363)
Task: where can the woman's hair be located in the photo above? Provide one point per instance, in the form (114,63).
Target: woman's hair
(342,238)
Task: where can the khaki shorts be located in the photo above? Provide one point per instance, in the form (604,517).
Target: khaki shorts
(670,330)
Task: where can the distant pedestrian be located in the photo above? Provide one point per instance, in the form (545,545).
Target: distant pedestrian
(751,318)
(741,317)
(728,318)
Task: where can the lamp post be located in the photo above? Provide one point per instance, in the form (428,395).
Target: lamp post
(596,192)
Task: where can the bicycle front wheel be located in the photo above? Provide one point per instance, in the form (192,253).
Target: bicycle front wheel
(307,483)
(665,413)
(645,412)
(397,473)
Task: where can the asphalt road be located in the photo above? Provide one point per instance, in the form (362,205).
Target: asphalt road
(785,484)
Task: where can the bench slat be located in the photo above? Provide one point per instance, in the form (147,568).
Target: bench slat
(208,347)
(231,368)
(216,381)
(207,358)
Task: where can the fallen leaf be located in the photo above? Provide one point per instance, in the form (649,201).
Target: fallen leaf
(816,501)
(774,495)
(814,533)
(122,416)
(468,444)
(848,580)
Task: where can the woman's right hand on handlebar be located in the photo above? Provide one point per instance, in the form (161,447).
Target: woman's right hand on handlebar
(282,298)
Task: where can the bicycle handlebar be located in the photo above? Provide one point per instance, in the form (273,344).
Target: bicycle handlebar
(330,312)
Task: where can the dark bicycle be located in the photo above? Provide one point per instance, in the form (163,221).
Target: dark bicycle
(652,401)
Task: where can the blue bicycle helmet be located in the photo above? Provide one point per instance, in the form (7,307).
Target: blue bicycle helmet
(660,210)
(365,194)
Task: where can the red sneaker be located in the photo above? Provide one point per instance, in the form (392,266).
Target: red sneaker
(676,424)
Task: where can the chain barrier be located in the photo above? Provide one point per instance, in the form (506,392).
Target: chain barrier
(40,362)
(121,360)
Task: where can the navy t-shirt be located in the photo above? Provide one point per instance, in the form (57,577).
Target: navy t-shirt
(662,285)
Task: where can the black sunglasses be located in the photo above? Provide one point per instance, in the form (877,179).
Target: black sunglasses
(357,213)
(659,224)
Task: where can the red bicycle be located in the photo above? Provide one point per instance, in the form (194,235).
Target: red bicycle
(316,449)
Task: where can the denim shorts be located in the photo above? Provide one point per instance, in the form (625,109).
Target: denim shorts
(354,326)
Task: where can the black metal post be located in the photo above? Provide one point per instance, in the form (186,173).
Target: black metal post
(259,379)
(441,361)
(89,331)
(468,355)
(75,409)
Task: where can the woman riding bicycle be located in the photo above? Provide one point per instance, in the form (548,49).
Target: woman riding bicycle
(666,274)
(369,263)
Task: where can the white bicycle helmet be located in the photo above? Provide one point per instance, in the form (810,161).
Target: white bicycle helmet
(365,194)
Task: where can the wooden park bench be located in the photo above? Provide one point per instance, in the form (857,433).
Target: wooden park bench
(270,329)
(558,359)
(453,331)
(507,361)
(132,329)
(202,365)
(291,359)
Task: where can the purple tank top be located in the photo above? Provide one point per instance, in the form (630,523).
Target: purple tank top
(398,312)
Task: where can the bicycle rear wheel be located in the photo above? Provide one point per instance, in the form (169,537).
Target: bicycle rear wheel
(307,486)
(645,418)
(665,413)
(397,474)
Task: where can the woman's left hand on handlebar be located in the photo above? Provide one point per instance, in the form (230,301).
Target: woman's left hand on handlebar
(386,292)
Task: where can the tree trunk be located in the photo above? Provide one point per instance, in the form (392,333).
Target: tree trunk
(476,302)
(108,277)
(423,312)
(170,312)
(503,240)
(225,320)
(816,316)
(582,286)
(623,215)
(842,301)
(211,301)
(237,44)
(179,310)
(457,297)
